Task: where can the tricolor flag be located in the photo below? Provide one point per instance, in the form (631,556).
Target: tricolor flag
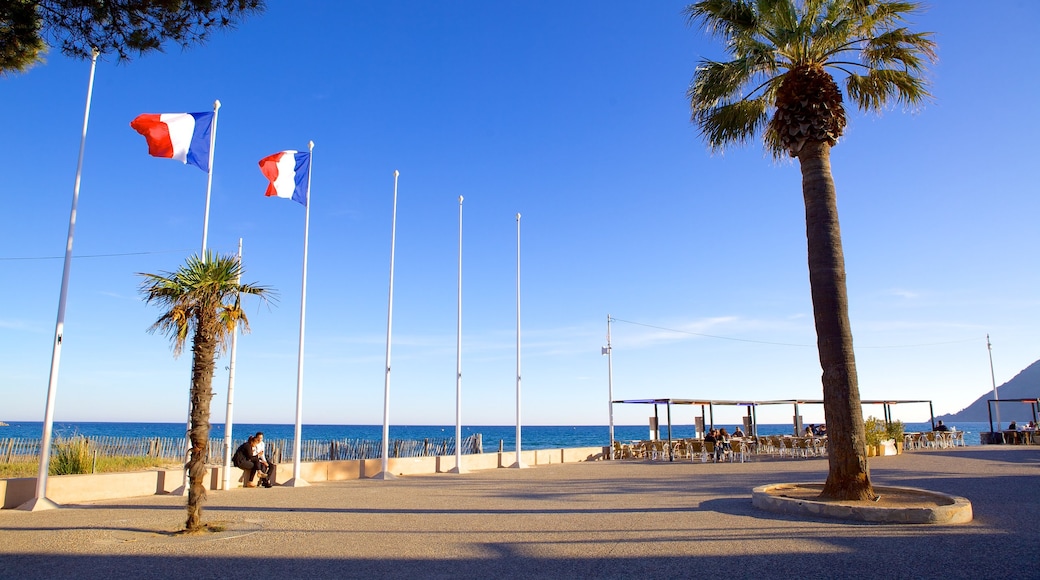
(287,172)
(181,136)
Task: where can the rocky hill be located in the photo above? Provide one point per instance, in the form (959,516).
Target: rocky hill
(1025,385)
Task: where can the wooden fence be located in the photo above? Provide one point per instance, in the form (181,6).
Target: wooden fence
(16,450)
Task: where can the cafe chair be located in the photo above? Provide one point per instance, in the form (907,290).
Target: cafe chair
(736,449)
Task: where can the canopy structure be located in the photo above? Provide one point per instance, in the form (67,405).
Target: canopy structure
(1034,407)
(708,410)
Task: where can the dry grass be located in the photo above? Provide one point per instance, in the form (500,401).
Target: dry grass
(104,465)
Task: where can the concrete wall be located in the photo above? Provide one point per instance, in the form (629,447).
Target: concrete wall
(71,489)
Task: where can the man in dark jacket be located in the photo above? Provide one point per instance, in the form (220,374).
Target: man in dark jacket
(243,459)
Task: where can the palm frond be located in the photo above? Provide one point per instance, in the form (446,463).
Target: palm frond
(736,122)
(723,18)
(716,81)
(902,48)
(877,88)
(885,14)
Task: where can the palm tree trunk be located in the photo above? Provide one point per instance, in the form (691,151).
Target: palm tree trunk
(203,362)
(849,476)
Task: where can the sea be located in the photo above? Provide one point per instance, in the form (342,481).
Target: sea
(493,437)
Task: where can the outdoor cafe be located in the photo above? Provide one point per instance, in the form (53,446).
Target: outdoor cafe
(1013,434)
(798,443)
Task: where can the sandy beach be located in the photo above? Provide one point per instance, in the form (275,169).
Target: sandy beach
(633,519)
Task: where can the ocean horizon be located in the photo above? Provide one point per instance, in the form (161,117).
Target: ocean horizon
(531,436)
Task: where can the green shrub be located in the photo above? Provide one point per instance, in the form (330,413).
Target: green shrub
(70,456)
(874,430)
(895,430)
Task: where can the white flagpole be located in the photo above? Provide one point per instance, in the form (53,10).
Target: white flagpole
(458,361)
(519,460)
(228,423)
(385,471)
(40,500)
(297,480)
(610,388)
(209,175)
(183,489)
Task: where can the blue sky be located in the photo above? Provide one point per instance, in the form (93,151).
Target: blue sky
(572,114)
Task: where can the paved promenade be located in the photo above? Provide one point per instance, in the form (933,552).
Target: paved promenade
(631,519)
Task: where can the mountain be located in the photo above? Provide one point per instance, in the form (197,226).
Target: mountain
(1025,385)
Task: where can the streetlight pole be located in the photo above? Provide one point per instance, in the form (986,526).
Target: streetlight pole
(993,379)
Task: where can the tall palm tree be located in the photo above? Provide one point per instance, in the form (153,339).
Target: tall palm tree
(203,301)
(784,54)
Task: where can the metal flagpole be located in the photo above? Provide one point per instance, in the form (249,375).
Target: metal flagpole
(297,480)
(993,378)
(458,361)
(385,471)
(40,500)
(610,385)
(209,175)
(519,460)
(183,489)
(228,423)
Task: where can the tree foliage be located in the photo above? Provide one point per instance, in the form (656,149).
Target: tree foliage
(863,42)
(127,28)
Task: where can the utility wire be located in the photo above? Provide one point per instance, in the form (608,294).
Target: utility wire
(785,343)
(11,259)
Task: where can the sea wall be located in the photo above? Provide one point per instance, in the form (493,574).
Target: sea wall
(72,489)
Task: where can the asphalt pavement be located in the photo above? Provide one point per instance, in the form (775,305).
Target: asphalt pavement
(616,519)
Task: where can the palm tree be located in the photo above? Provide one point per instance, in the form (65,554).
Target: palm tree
(203,299)
(784,53)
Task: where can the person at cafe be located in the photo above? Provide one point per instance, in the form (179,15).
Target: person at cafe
(810,431)
(941,427)
(1012,426)
(737,432)
(712,437)
(722,444)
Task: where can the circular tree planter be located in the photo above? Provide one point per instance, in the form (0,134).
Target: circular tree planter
(897,505)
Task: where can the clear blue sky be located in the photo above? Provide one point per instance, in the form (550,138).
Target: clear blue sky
(571,113)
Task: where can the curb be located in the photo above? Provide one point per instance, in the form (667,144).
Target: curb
(950,509)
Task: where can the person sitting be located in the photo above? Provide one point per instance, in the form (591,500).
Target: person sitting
(941,427)
(722,444)
(1012,426)
(809,431)
(712,437)
(244,460)
(821,430)
(737,432)
(265,467)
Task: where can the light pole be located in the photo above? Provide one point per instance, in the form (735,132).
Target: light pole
(993,379)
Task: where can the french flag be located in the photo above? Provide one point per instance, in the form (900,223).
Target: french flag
(288,173)
(181,136)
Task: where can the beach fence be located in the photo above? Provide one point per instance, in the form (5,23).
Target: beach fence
(174,449)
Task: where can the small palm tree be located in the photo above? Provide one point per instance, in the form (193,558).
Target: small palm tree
(783,55)
(203,301)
